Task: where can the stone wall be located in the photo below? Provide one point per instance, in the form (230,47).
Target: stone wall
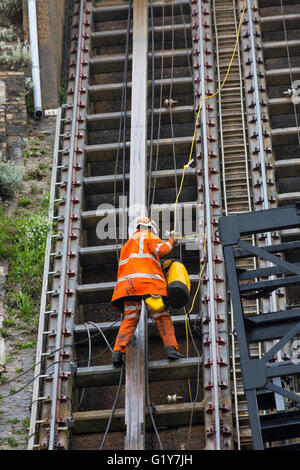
(13,115)
(51,25)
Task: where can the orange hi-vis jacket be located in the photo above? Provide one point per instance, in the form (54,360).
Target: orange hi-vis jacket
(139,271)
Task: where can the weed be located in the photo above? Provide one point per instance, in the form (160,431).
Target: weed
(3,332)
(12,420)
(12,442)
(35,189)
(43,166)
(27,345)
(11,177)
(15,58)
(26,423)
(8,34)
(22,242)
(8,322)
(24,202)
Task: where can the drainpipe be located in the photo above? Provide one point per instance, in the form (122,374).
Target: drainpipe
(34,45)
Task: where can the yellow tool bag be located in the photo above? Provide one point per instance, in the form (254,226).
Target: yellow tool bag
(155,303)
(179,284)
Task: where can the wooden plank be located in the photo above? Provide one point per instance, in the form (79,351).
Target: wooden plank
(101,376)
(111,327)
(113,91)
(164,179)
(101,152)
(115,63)
(167,415)
(112,120)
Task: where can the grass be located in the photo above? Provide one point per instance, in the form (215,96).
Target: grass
(22,243)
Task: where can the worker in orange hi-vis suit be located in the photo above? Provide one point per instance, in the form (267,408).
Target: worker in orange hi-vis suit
(140,276)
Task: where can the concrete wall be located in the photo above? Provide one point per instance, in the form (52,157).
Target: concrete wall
(51,25)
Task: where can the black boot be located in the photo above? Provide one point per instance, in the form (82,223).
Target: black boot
(172,354)
(117,358)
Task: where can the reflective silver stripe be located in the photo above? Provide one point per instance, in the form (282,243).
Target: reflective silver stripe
(157,248)
(137,255)
(142,244)
(131,315)
(155,315)
(168,243)
(132,307)
(141,275)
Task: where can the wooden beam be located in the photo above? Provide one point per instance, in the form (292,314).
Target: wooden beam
(167,415)
(100,376)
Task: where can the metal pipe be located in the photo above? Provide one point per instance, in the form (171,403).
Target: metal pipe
(35,67)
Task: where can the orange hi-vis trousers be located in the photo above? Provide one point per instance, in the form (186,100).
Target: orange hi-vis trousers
(132,310)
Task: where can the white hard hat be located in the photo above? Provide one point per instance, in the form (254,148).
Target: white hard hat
(147,222)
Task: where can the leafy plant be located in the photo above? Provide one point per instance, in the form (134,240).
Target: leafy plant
(22,242)
(17,57)
(8,34)
(11,177)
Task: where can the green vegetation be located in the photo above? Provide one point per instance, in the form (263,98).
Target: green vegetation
(22,242)
(17,57)
(11,178)
(12,442)
(8,34)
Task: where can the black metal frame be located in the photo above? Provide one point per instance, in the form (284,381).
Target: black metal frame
(281,326)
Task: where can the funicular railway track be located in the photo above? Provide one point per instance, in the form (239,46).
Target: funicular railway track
(190,401)
(73,401)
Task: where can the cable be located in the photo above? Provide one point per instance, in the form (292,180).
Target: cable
(103,335)
(89,360)
(52,352)
(114,406)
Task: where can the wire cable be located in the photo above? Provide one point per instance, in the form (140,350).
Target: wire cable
(114,405)
(47,367)
(89,359)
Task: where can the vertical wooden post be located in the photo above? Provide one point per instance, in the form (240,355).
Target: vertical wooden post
(135,357)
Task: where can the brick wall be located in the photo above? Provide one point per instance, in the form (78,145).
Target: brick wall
(13,116)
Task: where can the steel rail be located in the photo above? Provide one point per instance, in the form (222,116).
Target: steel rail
(65,243)
(209,236)
(237,87)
